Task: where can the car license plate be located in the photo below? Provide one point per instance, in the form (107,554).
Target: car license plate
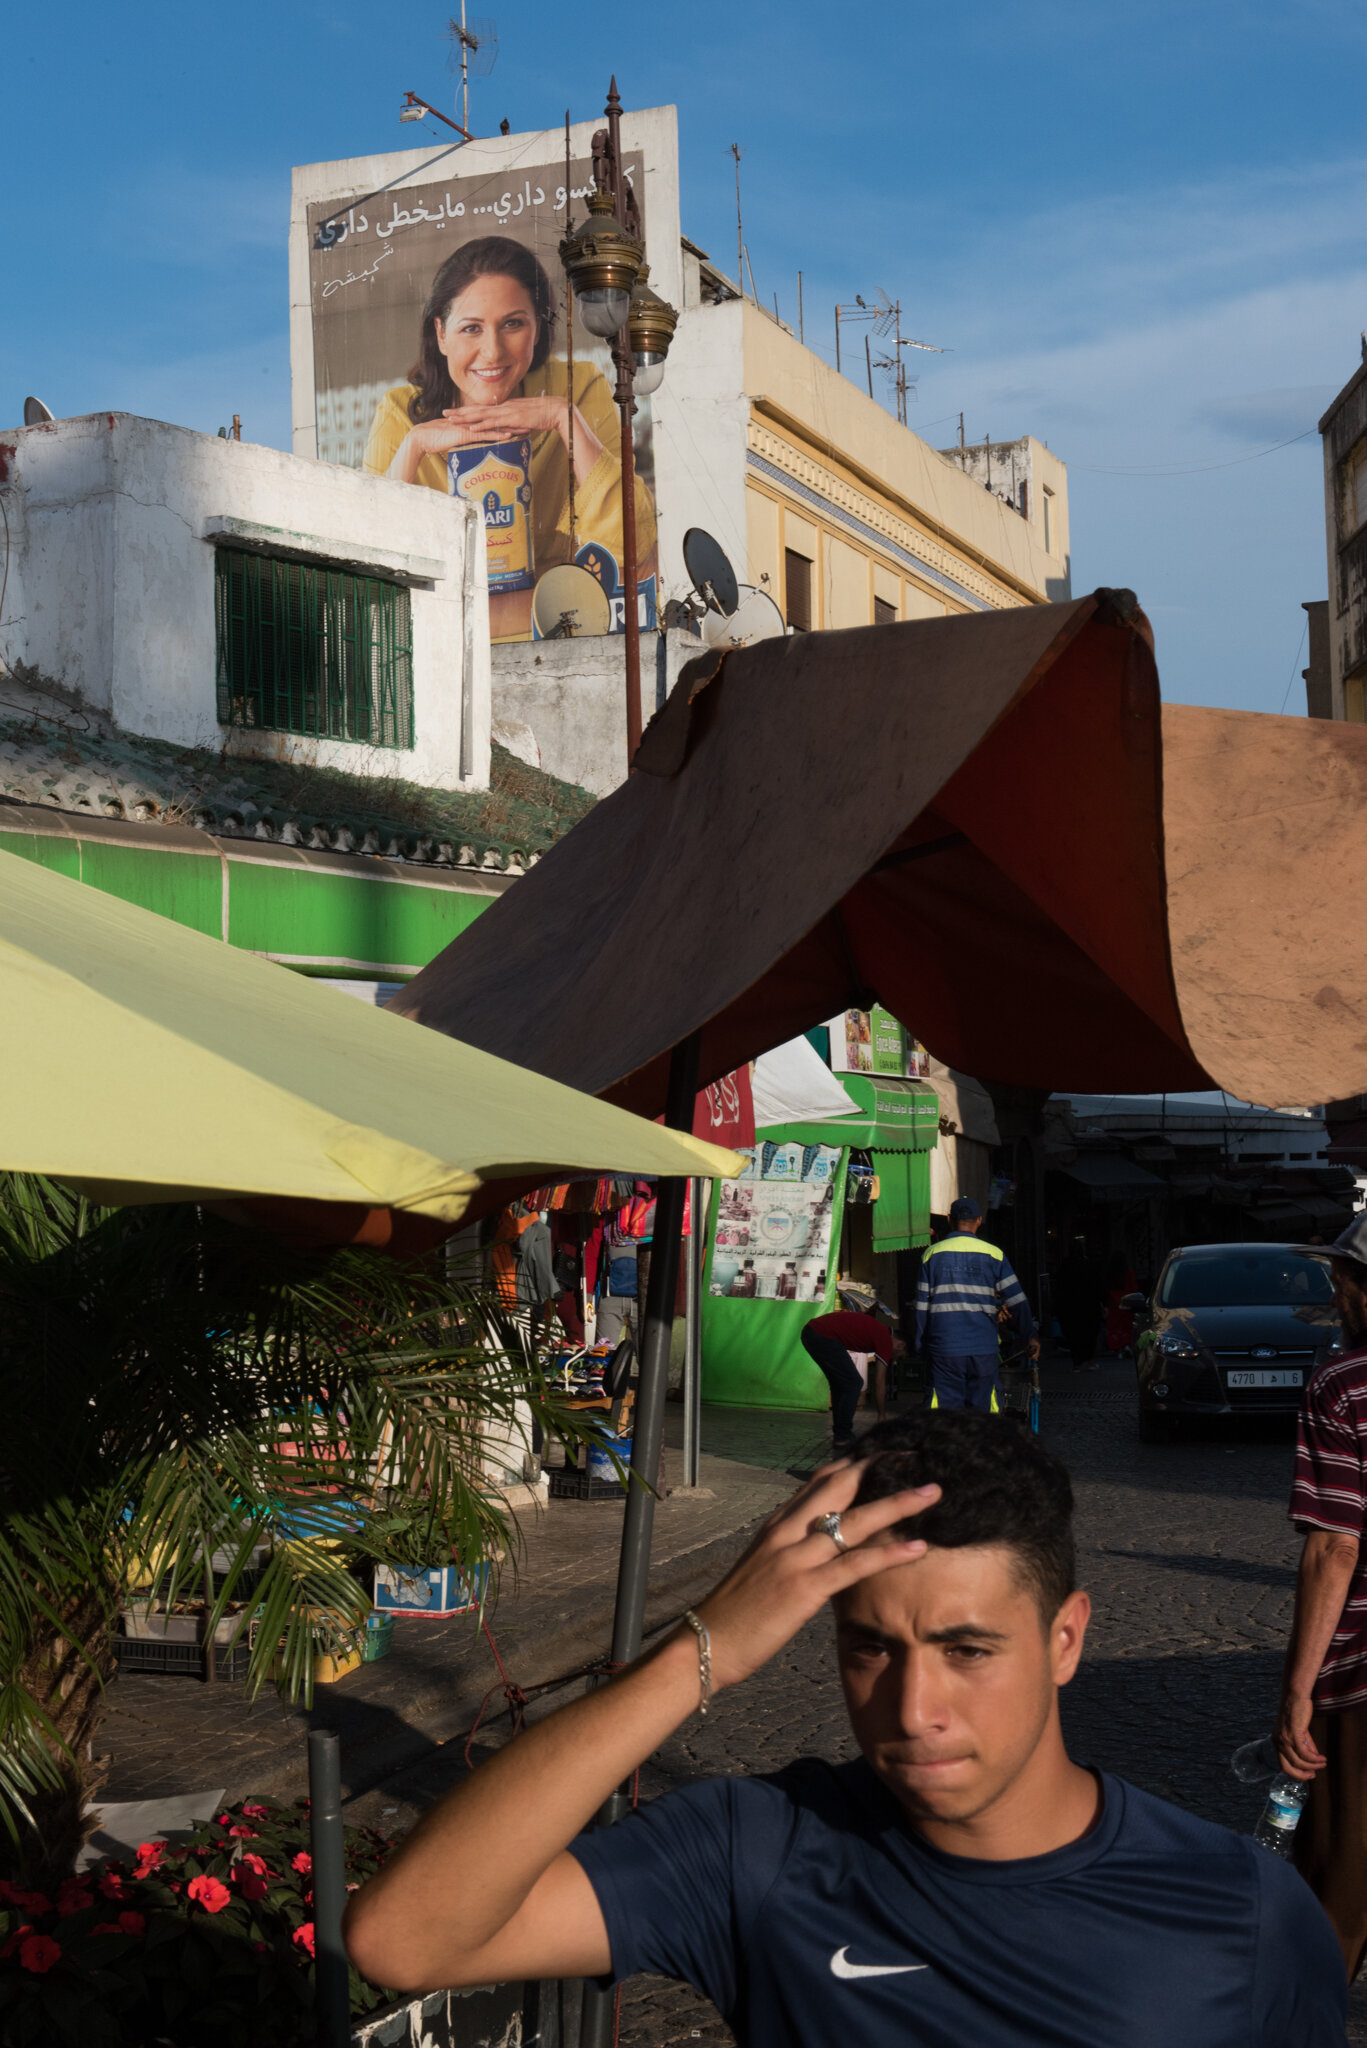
(1283,1378)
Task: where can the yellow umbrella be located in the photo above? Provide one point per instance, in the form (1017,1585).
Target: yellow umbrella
(147,1063)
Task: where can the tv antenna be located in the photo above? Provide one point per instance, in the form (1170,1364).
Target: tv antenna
(884,318)
(474,52)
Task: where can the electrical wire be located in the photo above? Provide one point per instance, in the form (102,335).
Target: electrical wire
(1196,468)
(1295,664)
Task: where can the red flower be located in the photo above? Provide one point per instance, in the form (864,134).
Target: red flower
(38,1953)
(243,1834)
(150,1854)
(111,1884)
(256,1812)
(223,1820)
(27,1902)
(12,1944)
(132,1923)
(303,1863)
(209,1893)
(303,1936)
(253,1878)
(74,1895)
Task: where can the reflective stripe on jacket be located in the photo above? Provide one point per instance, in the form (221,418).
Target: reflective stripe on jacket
(963,1283)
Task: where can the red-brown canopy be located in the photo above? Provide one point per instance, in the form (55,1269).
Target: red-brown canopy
(989,824)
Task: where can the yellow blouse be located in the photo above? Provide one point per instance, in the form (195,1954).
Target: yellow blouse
(597,501)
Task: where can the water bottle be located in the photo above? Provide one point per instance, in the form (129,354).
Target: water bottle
(1255,1763)
(1280,1817)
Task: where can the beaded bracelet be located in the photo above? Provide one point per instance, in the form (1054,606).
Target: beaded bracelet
(699,1629)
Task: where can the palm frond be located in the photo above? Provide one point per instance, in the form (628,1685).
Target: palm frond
(179,1393)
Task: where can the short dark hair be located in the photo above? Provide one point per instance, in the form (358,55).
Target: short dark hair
(1000,1486)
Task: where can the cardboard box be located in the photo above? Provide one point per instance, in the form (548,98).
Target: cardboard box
(437,1589)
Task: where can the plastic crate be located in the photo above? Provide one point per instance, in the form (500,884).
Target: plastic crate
(572,1483)
(179,1660)
(378,1639)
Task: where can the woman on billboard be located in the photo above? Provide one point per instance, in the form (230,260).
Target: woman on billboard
(488,414)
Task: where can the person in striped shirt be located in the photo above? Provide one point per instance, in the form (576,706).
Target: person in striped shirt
(963,1288)
(1322,1725)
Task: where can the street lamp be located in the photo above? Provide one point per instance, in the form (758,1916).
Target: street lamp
(416,109)
(650,329)
(604,260)
(602,263)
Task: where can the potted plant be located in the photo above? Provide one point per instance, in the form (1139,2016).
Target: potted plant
(179,1395)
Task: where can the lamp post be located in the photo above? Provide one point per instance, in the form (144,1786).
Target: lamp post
(604,260)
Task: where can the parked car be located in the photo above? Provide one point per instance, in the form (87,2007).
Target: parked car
(1232,1329)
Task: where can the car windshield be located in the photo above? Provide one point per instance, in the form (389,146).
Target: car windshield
(1229,1278)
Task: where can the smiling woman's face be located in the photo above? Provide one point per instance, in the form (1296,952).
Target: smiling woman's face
(488,339)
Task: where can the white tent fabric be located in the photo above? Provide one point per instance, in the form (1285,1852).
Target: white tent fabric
(792,1084)
(961,1163)
(966,1103)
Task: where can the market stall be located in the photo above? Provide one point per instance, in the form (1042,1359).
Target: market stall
(820,1200)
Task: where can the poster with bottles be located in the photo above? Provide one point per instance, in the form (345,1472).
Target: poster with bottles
(773,1233)
(873,1042)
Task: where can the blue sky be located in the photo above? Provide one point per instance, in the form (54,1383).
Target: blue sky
(1140,231)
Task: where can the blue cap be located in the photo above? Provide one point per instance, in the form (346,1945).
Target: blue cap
(964,1210)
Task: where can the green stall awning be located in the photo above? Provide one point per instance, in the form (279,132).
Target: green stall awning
(902,1121)
(322,913)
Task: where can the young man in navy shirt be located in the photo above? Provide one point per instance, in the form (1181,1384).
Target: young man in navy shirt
(964,1884)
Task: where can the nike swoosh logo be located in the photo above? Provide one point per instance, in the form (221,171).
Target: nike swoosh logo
(841,1968)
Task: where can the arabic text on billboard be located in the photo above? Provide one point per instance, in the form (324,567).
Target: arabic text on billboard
(441,359)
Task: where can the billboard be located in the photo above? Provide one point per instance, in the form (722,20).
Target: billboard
(442,357)
(772,1237)
(873,1042)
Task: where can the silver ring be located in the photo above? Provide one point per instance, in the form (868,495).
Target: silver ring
(829,1525)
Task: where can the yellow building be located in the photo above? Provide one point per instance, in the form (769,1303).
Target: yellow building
(822,499)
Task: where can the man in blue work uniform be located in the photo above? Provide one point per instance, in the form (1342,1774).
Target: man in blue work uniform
(963,1288)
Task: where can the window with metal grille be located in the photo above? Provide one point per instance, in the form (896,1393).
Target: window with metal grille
(884,614)
(303,647)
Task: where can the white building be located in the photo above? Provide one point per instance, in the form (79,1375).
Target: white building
(215,594)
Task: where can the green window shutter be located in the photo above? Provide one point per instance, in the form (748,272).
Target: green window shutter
(303,647)
(901,1215)
(892,1210)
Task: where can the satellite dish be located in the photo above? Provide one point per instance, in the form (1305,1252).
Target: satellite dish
(36,414)
(710,572)
(569,603)
(756,617)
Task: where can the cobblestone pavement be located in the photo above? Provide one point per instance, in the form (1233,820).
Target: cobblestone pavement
(1190,1559)
(172,1735)
(1185,1548)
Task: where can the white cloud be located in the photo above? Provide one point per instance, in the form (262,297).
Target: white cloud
(1160,343)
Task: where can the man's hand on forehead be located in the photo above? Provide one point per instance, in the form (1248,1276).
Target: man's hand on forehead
(795,1566)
